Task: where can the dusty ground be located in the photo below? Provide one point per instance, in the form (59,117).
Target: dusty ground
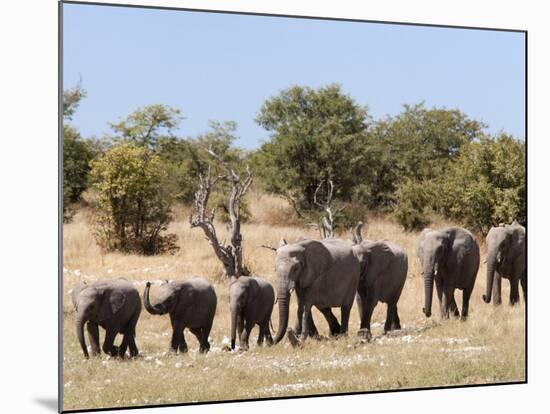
(488,348)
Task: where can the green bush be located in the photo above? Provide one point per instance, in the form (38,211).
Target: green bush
(412,206)
(133,207)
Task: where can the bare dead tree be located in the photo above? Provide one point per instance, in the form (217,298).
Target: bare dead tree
(326,225)
(230,255)
(356,236)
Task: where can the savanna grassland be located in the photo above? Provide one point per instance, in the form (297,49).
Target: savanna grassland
(488,348)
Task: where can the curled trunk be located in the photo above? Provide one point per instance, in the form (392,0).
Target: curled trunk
(428,292)
(491,264)
(80,321)
(283,299)
(150,308)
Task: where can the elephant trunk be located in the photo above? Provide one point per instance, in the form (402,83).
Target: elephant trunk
(283,297)
(153,310)
(428,292)
(491,264)
(80,321)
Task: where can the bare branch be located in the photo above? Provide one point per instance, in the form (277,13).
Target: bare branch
(294,204)
(229,255)
(268,247)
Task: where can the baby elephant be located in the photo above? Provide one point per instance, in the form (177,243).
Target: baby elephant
(115,306)
(251,302)
(190,304)
(384,268)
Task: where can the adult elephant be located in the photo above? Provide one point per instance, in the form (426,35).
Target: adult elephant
(324,274)
(384,268)
(115,306)
(451,258)
(506,259)
(190,304)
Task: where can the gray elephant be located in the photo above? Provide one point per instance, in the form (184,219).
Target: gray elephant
(506,259)
(251,302)
(115,306)
(324,274)
(384,268)
(451,258)
(190,304)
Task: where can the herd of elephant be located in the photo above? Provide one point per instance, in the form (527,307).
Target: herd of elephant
(327,274)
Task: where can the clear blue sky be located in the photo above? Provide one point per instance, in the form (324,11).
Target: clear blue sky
(223,67)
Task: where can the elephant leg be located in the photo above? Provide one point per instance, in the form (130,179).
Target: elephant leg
(390,317)
(446,302)
(396,322)
(466,294)
(248,326)
(132,336)
(453,307)
(334,326)
(345,312)
(197,332)
(306,316)
(268,338)
(178,340)
(497,289)
(205,344)
(93,336)
(261,335)
(439,289)
(514,290)
(368,308)
(108,343)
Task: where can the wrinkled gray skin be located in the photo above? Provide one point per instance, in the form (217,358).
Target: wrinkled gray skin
(191,304)
(251,302)
(115,306)
(384,268)
(506,259)
(451,258)
(324,274)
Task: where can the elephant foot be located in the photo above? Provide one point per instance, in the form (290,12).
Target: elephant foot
(293,339)
(364,333)
(464,318)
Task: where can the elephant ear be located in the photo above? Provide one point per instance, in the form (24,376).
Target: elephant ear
(420,243)
(317,259)
(112,302)
(76,292)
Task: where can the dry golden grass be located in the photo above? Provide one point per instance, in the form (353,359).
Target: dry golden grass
(488,348)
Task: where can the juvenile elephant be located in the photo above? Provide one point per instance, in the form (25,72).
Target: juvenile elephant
(451,257)
(190,304)
(384,268)
(506,259)
(324,274)
(115,306)
(251,302)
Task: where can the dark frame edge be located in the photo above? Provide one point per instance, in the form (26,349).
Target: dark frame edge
(60,207)
(292,16)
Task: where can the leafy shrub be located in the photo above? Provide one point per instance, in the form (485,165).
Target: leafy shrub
(412,205)
(133,208)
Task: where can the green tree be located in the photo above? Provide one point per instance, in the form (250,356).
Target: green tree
(133,207)
(486,184)
(146,125)
(316,134)
(77,153)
